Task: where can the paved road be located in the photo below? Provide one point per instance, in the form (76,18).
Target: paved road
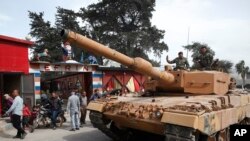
(87,133)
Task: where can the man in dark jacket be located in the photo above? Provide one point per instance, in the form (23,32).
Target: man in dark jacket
(56,106)
(96,95)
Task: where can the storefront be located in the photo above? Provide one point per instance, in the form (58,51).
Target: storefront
(14,69)
(62,77)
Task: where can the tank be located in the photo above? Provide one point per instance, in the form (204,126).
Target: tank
(185,106)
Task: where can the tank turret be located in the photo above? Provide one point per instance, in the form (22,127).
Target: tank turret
(197,82)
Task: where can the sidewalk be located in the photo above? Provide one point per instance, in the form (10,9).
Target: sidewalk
(5,124)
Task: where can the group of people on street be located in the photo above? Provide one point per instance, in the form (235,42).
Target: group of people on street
(76,107)
(204,61)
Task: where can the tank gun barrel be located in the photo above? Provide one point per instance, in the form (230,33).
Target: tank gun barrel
(137,64)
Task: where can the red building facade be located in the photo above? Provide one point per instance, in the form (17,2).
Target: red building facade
(14,66)
(14,55)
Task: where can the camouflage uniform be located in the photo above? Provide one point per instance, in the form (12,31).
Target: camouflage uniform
(181,63)
(205,61)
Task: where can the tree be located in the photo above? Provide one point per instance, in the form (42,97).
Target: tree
(47,37)
(223,65)
(125,26)
(195,49)
(242,70)
(67,19)
(122,24)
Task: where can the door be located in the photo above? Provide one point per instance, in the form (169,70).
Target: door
(27,89)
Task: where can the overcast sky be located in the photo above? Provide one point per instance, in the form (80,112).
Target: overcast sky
(223,24)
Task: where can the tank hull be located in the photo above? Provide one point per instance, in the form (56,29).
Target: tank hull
(206,114)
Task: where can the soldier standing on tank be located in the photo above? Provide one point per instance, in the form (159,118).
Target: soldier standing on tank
(180,61)
(204,60)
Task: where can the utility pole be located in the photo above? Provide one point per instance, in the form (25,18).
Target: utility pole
(188,39)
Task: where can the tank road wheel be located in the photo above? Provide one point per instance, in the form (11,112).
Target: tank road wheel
(208,138)
(179,133)
(99,121)
(247,121)
(124,134)
(223,135)
(211,138)
(128,136)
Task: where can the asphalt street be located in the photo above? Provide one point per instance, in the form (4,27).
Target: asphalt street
(86,133)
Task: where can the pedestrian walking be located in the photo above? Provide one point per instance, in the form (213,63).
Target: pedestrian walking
(55,108)
(83,108)
(17,111)
(73,108)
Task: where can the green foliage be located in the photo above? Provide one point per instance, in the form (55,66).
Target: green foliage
(242,69)
(223,65)
(195,49)
(46,36)
(67,19)
(123,25)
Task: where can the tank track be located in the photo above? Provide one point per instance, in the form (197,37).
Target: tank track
(179,133)
(172,132)
(102,124)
